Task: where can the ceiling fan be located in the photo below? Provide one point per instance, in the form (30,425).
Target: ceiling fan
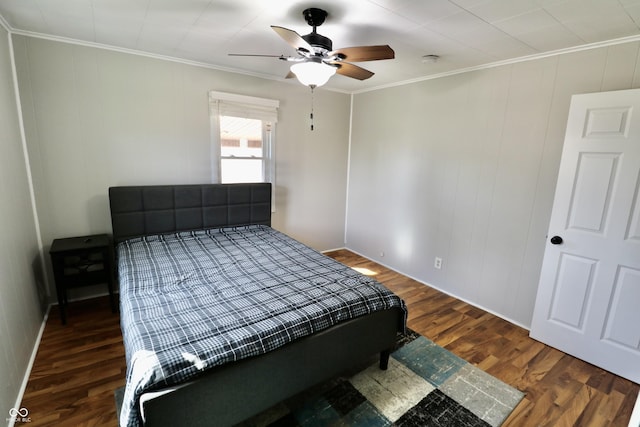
(316,61)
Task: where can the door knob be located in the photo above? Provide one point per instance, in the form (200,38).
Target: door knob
(556,240)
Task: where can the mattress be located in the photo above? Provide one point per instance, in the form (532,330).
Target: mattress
(192,301)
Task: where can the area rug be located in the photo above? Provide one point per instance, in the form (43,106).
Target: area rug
(425,385)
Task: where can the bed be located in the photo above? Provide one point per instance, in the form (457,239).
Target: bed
(224,316)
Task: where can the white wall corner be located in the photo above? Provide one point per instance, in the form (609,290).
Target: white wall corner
(5,25)
(27,163)
(32,359)
(635,415)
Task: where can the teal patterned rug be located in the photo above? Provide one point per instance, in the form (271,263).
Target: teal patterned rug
(425,385)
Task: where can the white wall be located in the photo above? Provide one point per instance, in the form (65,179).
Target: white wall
(20,314)
(464,168)
(96,118)
(461,167)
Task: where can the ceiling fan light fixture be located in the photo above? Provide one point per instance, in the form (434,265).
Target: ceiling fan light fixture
(313,73)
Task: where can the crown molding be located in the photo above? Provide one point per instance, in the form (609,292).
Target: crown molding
(490,65)
(520,59)
(4,24)
(136,52)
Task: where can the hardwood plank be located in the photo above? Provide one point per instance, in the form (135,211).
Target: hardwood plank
(78,366)
(560,389)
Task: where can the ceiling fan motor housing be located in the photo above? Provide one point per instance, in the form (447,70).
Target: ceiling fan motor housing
(315,17)
(318,40)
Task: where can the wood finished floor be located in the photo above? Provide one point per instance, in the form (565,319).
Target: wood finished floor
(78,366)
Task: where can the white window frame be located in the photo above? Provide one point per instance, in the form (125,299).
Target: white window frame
(250,107)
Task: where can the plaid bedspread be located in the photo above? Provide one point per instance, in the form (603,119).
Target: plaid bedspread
(195,300)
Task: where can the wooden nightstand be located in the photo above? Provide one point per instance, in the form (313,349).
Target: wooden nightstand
(81,261)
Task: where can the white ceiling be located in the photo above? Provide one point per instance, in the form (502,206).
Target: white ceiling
(464,33)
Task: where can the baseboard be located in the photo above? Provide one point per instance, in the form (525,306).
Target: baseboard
(503,317)
(32,360)
(34,352)
(332,250)
(86,297)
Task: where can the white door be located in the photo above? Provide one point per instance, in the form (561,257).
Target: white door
(588,302)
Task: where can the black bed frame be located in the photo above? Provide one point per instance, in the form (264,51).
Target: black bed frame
(234,392)
(157,209)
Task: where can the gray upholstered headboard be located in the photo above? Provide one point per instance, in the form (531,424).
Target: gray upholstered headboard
(157,209)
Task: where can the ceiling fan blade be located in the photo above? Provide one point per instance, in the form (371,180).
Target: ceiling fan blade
(280,57)
(351,70)
(364,53)
(293,38)
(290,75)
(259,55)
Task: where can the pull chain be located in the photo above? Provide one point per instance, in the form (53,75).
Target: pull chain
(311,115)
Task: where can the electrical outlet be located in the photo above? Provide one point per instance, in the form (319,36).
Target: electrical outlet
(438,263)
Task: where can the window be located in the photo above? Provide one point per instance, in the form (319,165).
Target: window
(243,138)
(244,150)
